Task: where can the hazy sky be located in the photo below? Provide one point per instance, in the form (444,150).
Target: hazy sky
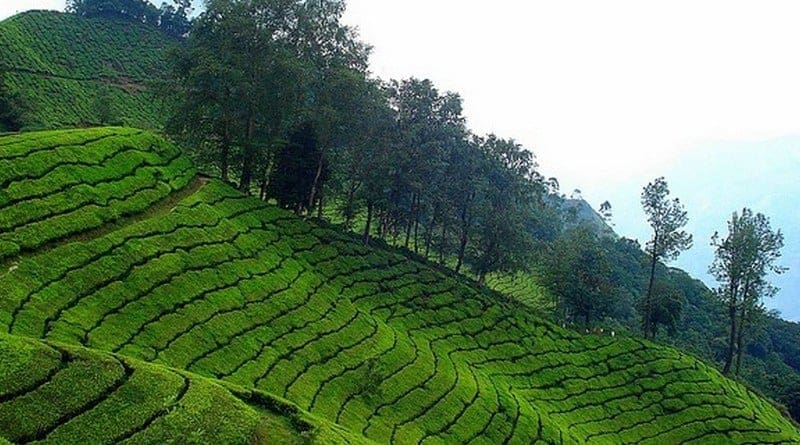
(611,94)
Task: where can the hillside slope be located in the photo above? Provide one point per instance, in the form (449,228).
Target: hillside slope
(60,394)
(65,78)
(224,286)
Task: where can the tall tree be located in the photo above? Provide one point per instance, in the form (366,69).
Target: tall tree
(360,171)
(503,240)
(743,260)
(578,272)
(464,195)
(667,218)
(338,63)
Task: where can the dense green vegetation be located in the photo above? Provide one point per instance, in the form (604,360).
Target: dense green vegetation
(228,287)
(59,184)
(52,393)
(111,242)
(61,77)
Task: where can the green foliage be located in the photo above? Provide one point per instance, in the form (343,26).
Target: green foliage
(12,107)
(579,274)
(105,109)
(743,260)
(61,395)
(666,306)
(251,71)
(667,219)
(61,184)
(233,289)
(60,78)
(292,178)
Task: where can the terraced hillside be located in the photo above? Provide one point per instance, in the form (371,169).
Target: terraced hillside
(65,394)
(212,283)
(82,62)
(523,287)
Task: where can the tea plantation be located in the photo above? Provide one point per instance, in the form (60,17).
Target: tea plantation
(122,400)
(82,62)
(189,311)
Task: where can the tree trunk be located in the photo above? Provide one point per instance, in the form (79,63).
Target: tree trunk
(443,243)
(739,345)
(462,249)
(382,225)
(224,155)
(462,245)
(249,155)
(409,225)
(647,321)
(320,204)
(349,204)
(741,331)
(368,225)
(428,238)
(733,334)
(263,192)
(416,225)
(314,185)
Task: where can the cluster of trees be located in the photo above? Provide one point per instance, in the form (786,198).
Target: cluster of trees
(277,96)
(594,275)
(601,277)
(171,18)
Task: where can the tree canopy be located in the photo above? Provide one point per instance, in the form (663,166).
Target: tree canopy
(743,261)
(667,218)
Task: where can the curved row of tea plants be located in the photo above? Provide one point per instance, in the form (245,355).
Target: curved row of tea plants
(58,184)
(228,287)
(523,287)
(53,393)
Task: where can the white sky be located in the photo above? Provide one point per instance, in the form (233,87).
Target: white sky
(607,94)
